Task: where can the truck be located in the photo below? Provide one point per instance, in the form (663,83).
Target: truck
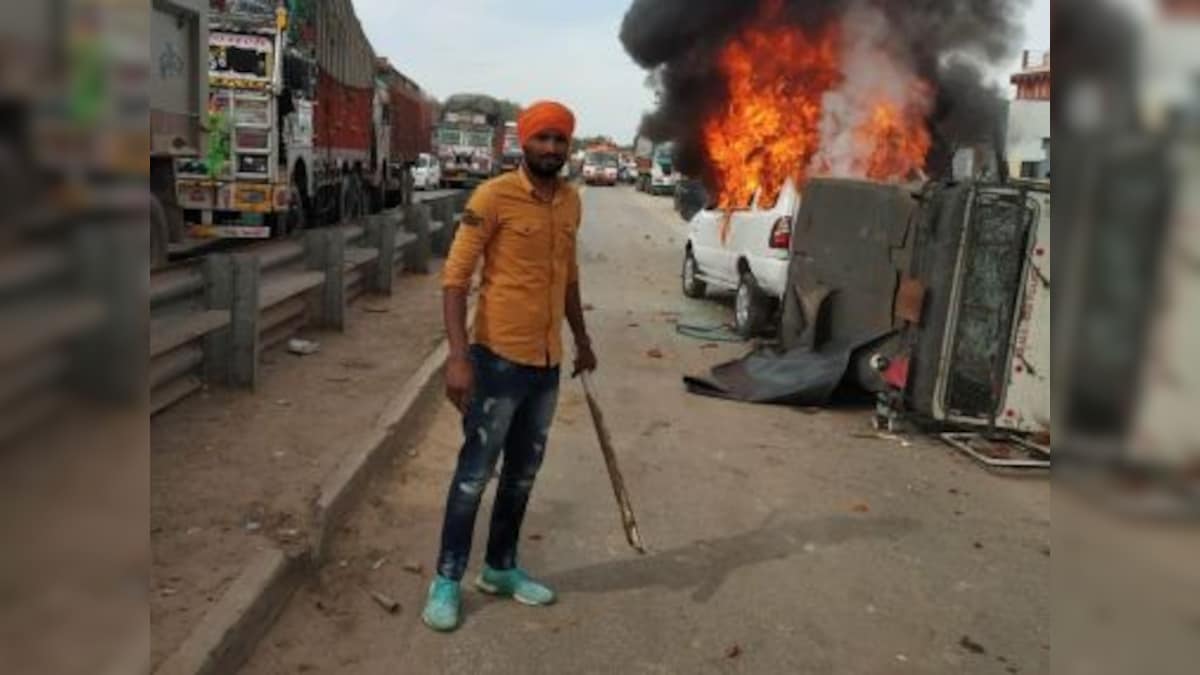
(178,95)
(600,165)
(469,138)
(655,166)
(406,120)
(510,151)
(291,121)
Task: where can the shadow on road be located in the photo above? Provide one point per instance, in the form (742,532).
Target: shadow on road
(704,565)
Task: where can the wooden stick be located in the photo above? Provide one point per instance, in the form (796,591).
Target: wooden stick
(614,471)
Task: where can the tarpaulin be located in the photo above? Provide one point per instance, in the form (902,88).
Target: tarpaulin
(799,376)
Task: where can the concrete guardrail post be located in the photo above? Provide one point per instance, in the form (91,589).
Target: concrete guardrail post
(110,270)
(381,233)
(231,354)
(418,253)
(326,251)
(218,294)
(446,234)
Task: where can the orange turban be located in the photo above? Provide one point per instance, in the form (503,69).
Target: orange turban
(544,116)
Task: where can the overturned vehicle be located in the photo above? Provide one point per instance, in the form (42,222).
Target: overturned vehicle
(935,299)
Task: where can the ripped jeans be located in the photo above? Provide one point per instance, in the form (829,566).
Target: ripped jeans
(510,411)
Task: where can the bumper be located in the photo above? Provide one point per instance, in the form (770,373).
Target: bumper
(204,195)
(771,274)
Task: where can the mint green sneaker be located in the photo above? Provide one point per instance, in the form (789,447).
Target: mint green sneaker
(515,583)
(442,607)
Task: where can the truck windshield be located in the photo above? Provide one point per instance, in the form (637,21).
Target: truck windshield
(449,136)
(600,159)
(480,139)
(237,55)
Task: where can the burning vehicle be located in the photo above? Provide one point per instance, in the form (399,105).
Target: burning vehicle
(825,135)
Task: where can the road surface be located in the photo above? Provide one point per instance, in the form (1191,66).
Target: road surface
(781,540)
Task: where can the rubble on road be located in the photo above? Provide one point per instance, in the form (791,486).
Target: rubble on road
(302,347)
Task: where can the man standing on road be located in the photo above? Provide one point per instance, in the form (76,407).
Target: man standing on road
(505,381)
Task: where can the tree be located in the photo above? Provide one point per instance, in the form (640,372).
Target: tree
(580,143)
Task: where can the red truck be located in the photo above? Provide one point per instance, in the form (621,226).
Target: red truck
(408,120)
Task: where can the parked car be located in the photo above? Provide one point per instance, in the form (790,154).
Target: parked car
(427,172)
(745,250)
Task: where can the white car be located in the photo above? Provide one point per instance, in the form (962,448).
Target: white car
(426,172)
(745,250)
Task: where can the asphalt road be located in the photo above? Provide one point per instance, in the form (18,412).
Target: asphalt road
(781,540)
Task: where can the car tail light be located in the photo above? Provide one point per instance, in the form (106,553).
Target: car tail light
(781,233)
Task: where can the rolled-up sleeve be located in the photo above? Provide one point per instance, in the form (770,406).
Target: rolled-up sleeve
(475,228)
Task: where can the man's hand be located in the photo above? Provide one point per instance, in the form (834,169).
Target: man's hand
(460,382)
(585,358)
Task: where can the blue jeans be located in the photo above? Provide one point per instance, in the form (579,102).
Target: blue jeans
(510,411)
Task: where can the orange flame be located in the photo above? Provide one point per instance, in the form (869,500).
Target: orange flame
(777,77)
(900,142)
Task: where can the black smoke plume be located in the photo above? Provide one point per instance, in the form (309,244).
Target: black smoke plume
(946,42)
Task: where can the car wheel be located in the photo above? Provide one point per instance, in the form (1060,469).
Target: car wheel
(693,287)
(752,308)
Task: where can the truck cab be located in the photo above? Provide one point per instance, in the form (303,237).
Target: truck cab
(238,183)
(656,168)
(600,168)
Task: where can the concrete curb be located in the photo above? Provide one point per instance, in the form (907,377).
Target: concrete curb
(338,491)
(229,632)
(227,635)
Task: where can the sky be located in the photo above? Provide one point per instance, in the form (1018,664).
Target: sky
(534,49)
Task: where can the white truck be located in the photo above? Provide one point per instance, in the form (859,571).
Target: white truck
(655,167)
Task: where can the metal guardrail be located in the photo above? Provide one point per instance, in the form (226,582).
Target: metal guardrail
(66,330)
(212,317)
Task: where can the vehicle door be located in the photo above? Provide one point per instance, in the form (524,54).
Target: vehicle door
(705,238)
(733,231)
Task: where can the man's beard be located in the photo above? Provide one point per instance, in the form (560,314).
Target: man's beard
(546,166)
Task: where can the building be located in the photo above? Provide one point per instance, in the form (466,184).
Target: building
(1028,138)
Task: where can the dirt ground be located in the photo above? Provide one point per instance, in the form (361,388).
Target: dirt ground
(232,471)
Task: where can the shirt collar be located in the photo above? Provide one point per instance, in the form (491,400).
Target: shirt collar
(527,185)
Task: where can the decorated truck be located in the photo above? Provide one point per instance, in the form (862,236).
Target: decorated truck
(291,121)
(469,138)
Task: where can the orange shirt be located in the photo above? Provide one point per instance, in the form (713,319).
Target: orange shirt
(528,249)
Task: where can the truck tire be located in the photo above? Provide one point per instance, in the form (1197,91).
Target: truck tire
(752,307)
(351,204)
(693,287)
(297,217)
